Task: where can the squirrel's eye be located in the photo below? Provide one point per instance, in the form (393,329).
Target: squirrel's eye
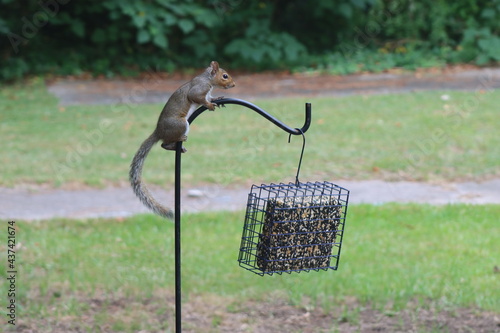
(225,76)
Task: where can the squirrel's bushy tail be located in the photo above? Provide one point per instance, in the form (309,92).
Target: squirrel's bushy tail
(140,190)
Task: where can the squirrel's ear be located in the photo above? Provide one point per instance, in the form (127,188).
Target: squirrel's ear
(215,66)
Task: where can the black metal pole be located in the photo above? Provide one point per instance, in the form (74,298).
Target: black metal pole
(177,204)
(177,232)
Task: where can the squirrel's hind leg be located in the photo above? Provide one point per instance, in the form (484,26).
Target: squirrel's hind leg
(178,130)
(171,146)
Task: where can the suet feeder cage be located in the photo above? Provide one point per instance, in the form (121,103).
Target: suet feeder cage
(293,227)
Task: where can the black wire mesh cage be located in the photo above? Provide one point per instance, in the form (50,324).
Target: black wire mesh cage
(293,227)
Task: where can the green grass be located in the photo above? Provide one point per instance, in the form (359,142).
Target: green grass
(408,136)
(392,255)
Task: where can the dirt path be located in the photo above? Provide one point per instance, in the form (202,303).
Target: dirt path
(209,313)
(155,88)
(37,203)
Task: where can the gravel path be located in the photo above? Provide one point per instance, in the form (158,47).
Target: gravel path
(42,203)
(120,202)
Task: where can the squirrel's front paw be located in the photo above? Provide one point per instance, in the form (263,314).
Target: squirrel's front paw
(211,106)
(218,99)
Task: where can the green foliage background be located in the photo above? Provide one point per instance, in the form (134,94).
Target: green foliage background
(343,36)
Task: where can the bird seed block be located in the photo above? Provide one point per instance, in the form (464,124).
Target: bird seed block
(298,233)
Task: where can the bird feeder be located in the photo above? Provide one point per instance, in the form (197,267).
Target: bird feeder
(288,227)
(293,227)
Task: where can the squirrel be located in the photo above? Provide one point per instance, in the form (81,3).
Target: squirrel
(173,126)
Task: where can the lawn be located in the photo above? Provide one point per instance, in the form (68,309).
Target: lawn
(441,257)
(116,275)
(416,136)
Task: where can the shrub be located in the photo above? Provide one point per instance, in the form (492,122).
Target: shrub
(112,36)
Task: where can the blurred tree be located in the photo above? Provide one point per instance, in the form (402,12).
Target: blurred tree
(112,36)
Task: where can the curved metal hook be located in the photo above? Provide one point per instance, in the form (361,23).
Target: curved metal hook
(297,183)
(223,101)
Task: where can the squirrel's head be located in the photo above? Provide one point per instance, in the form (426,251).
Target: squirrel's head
(220,77)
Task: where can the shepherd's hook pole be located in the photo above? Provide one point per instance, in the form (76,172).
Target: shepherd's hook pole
(177,219)
(177,205)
